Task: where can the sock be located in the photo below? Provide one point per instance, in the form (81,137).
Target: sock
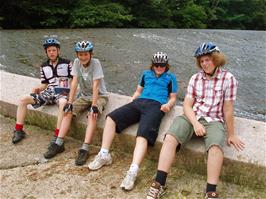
(85,146)
(104,152)
(56,132)
(161,177)
(59,141)
(19,127)
(53,139)
(134,168)
(211,187)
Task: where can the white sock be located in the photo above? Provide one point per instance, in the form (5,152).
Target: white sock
(134,168)
(104,152)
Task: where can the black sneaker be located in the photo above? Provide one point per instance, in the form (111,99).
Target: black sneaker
(51,142)
(53,150)
(18,136)
(83,155)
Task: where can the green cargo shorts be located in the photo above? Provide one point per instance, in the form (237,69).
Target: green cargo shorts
(182,130)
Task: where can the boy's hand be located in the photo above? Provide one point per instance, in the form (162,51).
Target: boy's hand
(165,108)
(238,144)
(36,90)
(68,107)
(199,129)
(94,111)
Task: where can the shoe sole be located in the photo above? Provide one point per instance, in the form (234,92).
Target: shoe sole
(106,164)
(81,163)
(126,189)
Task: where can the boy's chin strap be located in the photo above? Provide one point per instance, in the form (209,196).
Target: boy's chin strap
(212,74)
(87,64)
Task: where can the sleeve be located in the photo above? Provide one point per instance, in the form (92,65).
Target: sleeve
(173,86)
(43,78)
(231,89)
(142,80)
(74,68)
(97,71)
(70,70)
(191,92)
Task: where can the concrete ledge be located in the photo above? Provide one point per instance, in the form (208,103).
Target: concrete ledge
(252,132)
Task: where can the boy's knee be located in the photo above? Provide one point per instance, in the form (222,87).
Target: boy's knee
(26,99)
(109,120)
(169,139)
(62,103)
(214,149)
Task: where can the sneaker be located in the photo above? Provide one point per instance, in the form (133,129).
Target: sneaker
(18,136)
(128,182)
(53,150)
(100,161)
(156,191)
(211,195)
(83,155)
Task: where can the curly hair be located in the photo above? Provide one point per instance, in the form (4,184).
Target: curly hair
(218,59)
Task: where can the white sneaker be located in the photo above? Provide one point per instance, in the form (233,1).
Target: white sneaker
(129,181)
(100,161)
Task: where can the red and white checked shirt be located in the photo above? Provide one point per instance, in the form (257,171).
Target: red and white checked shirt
(210,94)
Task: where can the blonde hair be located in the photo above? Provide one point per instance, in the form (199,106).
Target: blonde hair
(218,59)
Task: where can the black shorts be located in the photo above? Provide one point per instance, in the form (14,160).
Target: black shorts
(145,111)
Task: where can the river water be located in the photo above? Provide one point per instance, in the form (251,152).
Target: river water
(125,53)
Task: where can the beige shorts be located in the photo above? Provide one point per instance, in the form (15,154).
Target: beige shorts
(81,104)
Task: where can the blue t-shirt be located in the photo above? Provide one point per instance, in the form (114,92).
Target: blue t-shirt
(157,88)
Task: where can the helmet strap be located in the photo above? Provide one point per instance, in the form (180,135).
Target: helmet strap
(212,74)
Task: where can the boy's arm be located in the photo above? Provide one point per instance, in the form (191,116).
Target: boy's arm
(228,110)
(73,89)
(137,93)
(95,92)
(190,114)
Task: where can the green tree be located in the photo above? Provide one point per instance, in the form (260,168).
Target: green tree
(107,14)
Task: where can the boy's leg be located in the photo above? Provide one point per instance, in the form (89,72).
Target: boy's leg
(116,121)
(83,153)
(214,140)
(214,166)
(103,157)
(58,146)
(61,103)
(179,133)
(149,124)
(138,156)
(19,134)
(22,108)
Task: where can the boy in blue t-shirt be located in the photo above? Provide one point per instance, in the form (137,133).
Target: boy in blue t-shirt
(154,96)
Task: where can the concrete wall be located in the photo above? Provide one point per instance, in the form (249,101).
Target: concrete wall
(252,132)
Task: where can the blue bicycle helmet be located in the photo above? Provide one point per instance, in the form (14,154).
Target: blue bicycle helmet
(84,46)
(51,42)
(206,48)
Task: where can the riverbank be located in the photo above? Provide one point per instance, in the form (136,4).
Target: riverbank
(23,176)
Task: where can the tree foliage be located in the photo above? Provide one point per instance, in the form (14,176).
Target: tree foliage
(225,14)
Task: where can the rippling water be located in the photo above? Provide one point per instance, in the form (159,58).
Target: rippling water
(124,53)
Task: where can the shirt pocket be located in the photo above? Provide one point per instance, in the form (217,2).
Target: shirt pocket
(218,95)
(48,72)
(62,70)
